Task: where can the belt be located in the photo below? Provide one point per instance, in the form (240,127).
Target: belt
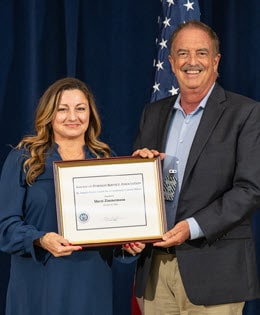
(166,250)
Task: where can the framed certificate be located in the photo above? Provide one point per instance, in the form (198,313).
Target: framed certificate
(110,200)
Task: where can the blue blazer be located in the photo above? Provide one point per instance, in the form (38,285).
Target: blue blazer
(221,190)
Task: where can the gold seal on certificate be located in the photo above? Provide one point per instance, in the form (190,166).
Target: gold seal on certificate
(109,201)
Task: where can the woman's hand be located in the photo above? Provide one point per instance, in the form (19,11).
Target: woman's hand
(57,245)
(146,153)
(133,248)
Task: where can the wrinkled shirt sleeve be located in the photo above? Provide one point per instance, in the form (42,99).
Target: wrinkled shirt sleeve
(16,236)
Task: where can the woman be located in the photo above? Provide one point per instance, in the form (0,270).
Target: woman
(48,275)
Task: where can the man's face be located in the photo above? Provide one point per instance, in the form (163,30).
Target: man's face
(194,60)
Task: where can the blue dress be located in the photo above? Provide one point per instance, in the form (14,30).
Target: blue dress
(40,284)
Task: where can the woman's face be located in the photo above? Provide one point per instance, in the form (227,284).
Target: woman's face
(72,116)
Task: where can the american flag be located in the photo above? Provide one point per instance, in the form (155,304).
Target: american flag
(173,13)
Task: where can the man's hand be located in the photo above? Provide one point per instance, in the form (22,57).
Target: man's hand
(146,153)
(176,236)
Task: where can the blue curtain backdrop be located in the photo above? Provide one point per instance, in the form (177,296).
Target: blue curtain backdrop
(109,44)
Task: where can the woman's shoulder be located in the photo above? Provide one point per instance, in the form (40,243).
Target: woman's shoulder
(17,154)
(13,165)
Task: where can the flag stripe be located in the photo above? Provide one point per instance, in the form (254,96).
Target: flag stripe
(174,12)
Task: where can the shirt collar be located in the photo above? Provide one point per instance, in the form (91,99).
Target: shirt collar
(202,104)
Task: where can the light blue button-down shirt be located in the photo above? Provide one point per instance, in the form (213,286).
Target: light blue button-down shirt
(179,140)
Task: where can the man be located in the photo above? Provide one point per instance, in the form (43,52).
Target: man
(210,137)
